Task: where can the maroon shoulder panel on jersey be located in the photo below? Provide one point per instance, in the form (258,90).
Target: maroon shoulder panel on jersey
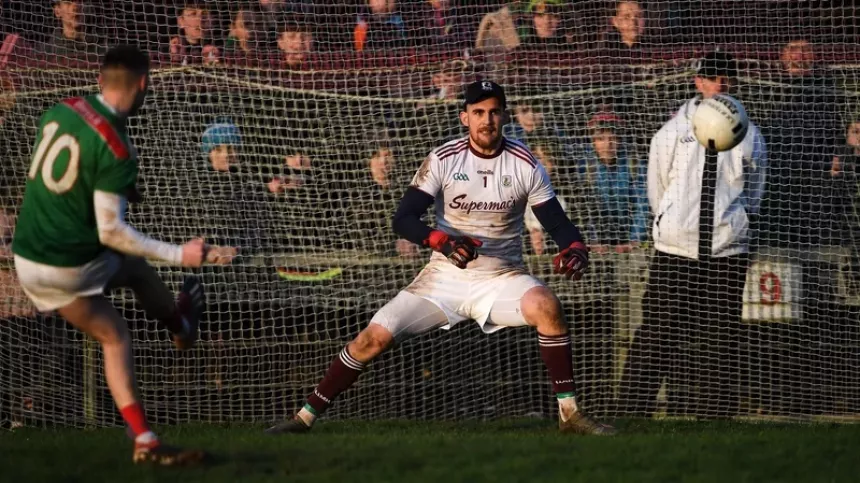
(100,125)
(446,151)
(521,153)
(453,153)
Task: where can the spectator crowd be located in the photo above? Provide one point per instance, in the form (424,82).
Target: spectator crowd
(291,31)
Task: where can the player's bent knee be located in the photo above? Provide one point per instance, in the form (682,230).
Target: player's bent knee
(109,333)
(110,329)
(542,309)
(371,342)
(98,318)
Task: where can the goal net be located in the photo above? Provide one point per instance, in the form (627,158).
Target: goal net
(290,129)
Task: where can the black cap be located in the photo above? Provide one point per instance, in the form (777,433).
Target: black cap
(480,90)
(717,64)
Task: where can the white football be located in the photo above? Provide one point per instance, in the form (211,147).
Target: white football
(720,122)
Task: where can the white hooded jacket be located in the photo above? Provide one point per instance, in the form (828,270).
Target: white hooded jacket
(675,164)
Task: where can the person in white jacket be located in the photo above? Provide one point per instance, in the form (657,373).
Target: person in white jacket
(694,297)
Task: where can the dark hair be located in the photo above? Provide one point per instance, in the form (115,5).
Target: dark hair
(717,64)
(126,57)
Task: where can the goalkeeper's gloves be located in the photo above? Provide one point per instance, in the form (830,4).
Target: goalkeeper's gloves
(572,261)
(459,249)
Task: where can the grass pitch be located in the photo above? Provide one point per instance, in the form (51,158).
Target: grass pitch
(518,451)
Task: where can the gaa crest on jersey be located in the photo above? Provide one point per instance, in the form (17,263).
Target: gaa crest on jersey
(461,177)
(507,182)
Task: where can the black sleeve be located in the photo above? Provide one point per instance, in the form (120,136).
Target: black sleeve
(407,220)
(552,217)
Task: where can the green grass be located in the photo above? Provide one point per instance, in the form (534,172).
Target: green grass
(528,450)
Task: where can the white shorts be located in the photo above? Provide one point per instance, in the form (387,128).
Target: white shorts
(490,298)
(50,288)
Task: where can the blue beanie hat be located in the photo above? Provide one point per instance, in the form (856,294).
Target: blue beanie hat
(222,131)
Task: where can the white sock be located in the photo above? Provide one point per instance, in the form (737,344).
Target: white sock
(146,438)
(566,407)
(307,416)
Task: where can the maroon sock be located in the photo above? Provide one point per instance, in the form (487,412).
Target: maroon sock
(342,373)
(556,355)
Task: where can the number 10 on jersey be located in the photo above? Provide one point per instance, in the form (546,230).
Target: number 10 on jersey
(47,157)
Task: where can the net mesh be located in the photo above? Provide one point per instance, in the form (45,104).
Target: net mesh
(337,103)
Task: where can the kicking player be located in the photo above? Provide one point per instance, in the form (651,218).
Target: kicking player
(481,186)
(72,243)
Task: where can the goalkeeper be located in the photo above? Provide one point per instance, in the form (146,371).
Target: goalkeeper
(481,186)
(72,243)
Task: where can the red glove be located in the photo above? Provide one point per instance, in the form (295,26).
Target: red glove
(572,261)
(459,249)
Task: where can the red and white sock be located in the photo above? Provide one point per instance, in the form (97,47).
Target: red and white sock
(148,439)
(136,420)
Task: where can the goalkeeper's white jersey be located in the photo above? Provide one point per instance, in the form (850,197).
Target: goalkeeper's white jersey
(485,197)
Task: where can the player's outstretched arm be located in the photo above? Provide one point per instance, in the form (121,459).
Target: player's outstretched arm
(572,261)
(407,223)
(115,233)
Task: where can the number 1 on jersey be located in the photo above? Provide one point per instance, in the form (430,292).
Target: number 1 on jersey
(485,181)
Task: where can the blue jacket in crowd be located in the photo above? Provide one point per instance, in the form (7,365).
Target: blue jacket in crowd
(616,200)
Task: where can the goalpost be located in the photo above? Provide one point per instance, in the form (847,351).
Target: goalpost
(324,149)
